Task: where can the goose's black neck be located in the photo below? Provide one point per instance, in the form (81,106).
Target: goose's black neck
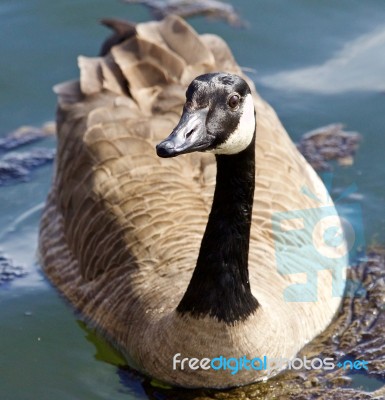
(220,284)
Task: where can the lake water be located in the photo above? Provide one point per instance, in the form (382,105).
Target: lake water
(315,62)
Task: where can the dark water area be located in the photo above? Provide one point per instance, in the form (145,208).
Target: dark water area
(316,62)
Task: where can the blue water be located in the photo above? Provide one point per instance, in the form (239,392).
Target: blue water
(315,62)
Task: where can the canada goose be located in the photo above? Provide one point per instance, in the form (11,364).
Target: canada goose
(122,229)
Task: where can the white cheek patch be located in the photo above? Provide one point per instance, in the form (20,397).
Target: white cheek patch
(243,133)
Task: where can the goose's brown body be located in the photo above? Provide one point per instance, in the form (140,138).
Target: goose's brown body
(122,228)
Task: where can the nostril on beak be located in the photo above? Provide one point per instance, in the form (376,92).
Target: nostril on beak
(188,134)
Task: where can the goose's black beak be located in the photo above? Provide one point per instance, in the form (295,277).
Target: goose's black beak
(189,135)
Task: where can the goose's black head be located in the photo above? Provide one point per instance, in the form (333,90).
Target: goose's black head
(218,116)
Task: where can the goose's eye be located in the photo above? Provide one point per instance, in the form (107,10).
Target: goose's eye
(233,101)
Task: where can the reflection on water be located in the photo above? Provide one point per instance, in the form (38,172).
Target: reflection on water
(351,68)
(316,62)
